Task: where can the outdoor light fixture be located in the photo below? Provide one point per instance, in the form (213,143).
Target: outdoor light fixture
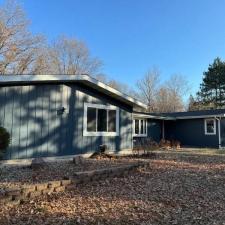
(61,111)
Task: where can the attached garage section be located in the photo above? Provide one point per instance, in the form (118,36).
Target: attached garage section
(191,133)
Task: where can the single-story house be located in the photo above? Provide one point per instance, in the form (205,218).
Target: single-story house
(204,128)
(58,115)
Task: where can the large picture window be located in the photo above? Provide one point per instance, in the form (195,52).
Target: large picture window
(140,127)
(210,126)
(100,120)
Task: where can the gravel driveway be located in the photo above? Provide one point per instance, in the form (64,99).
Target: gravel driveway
(174,189)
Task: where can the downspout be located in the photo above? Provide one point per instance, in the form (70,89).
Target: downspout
(163,130)
(132,127)
(219,133)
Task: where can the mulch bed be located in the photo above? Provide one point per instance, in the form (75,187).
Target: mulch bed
(17,176)
(174,189)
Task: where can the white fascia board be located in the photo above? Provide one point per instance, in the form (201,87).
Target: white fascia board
(137,115)
(199,117)
(14,79)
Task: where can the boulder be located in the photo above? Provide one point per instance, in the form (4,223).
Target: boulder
(78,160)
(37,163)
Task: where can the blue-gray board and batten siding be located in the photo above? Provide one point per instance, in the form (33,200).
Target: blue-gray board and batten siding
(191,133)
(29,113)
(154,131)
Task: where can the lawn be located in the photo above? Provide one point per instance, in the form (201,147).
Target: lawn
(183,187)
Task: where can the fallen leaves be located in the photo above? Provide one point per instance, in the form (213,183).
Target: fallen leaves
(17,176)
(174,189)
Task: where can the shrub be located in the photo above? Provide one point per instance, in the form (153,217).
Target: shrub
(4,140)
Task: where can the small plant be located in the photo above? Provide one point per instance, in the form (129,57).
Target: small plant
(169,144)
(4,140)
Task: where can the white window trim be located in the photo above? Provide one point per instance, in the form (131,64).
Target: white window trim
(104,133)
(146,127)
(214,124)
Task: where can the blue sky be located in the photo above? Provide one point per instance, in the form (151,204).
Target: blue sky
(131,36)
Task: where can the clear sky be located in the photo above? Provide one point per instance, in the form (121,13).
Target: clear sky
(130,36)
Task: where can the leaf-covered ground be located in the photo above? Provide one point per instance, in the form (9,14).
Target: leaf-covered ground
(12,177)
(174,189)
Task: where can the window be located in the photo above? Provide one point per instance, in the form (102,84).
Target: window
(91,119)
(140,127)
(136,125)
(100,120)
(210,126)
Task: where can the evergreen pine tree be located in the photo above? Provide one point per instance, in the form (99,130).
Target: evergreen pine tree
(212,88)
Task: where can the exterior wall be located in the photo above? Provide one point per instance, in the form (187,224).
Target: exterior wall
(154,131)
(29,113)
(190,132)
(222,128)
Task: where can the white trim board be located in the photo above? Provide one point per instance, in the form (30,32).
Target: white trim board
(100,106)
(139,122)
(87,80)
(199,117)
(214,126)
(137,115)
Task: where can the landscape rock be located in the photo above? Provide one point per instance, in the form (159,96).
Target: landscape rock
(78,160)
(37,163)
(23,177)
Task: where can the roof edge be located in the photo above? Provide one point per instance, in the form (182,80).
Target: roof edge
(149,116)
(14,79)
(202,116)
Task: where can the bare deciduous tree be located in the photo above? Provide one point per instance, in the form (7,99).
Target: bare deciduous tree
(176,87)
(148,87)
(166,97)
(124,88)
(21,52)
(18,47)
(71,56)
(167,101)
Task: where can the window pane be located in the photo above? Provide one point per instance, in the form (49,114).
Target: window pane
(145,126)
(102,120)
(136,124)
(112,121)
(210,126)
(91,119)
(142,126)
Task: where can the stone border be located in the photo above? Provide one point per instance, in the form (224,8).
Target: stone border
(17,196)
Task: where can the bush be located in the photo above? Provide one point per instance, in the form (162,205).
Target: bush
(4,140)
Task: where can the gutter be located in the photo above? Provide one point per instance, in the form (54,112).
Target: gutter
(140,115)
(149,116)
(199,117)
(87,80)
(219,129)
(219,134)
